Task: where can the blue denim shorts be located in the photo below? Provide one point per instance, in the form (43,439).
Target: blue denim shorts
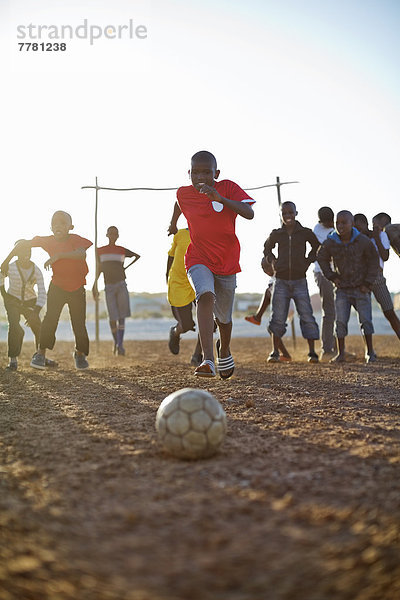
(221,286)
(117,300)
(344,300)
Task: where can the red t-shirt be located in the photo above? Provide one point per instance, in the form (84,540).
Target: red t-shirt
(69,274)
(212,227)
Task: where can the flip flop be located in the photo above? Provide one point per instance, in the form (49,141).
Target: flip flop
(225,366)
(253,320)
(206,369)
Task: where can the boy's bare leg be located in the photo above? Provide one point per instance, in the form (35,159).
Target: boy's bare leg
(393,320)
(340,357)
(282,349)
(205,321)
(276,342)
(368,343)
(225,334)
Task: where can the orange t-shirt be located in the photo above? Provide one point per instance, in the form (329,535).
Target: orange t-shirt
(69,274)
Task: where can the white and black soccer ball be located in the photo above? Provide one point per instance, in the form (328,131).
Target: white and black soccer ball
(191,424)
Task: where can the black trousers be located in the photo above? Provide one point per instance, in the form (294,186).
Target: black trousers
(76,301)
(15,308)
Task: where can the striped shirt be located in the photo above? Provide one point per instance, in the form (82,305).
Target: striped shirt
(21,283)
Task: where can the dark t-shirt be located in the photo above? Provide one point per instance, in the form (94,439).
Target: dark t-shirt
(111,259)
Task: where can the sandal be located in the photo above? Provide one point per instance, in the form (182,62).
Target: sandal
(253,320)
(206,369)
(225,366)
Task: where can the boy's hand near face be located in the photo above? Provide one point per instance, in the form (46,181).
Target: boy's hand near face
(211,192)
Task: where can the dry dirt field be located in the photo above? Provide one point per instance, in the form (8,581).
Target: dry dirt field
(302,502)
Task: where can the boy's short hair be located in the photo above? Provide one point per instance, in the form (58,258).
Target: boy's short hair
(204,155)
(383,218)
(62,212)
(325,214)
(361,217)
(289,202)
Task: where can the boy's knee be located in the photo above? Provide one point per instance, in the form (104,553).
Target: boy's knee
(206,298)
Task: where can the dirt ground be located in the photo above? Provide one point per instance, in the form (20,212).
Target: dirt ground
(302,502)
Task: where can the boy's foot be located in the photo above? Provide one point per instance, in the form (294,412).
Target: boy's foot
(313,357)
(326,355)
(273,357)
(252,319)
(121,351)
(370,358)
(206,369)
(13,365)
(80,361)
(284,358)
(173,342)
(196,360)
(339,358)
(38,361)
(225,366)
(50,363)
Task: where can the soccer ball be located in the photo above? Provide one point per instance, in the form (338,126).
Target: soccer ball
(191,423)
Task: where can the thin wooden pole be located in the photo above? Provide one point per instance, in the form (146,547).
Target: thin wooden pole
(96,302)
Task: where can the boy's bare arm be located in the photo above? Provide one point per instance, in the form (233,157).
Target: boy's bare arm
(172,229)
(383,252)
(241,208)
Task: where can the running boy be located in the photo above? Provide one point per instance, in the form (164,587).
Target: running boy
(181,295)
(212,258)
(21,299)
(355,268)
(67,253)
(291,266)
(110,262)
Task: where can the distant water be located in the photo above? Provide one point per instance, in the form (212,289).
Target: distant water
(158,329)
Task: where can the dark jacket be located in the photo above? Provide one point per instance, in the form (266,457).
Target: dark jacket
(292,261)
(356,263)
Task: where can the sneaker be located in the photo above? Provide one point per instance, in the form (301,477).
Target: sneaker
(273,357)
(52,364)
(252,319)
(13,365)
(121,351)
(173,342)
(38,361)
(283,358)
(313,357)
(370,358)
(80,361)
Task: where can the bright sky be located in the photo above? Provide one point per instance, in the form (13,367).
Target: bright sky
(308,91)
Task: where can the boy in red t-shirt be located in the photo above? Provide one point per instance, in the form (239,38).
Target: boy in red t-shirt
(212,258)
(67,253)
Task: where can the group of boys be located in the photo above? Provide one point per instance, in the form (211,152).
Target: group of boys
(67,259)
(348,259)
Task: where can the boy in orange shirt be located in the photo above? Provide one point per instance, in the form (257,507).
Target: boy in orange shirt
(67,253)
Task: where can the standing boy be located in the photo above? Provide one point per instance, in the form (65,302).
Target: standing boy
(291,266)
(355,268)
(382,245)
(67,253)
(181,295)
(110,262)
(323,228)
(21,299)
(212,258)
